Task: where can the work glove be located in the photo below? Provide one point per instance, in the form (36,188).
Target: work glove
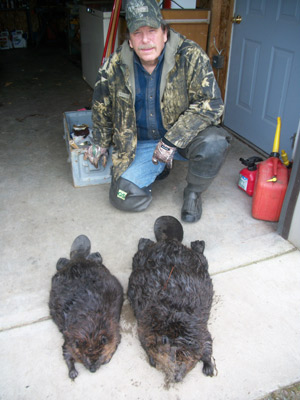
(163,153)
(95,153)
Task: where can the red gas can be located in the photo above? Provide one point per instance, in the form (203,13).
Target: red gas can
(269,189)
(247,175)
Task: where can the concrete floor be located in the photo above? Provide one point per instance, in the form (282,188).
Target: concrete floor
(255,317)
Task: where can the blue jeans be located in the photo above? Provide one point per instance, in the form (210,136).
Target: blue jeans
(142,172)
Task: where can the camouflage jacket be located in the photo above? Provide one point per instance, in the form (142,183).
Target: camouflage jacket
(190,99)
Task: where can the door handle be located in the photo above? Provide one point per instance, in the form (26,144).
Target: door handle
(237,19)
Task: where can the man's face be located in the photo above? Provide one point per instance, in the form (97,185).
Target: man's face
(148,43)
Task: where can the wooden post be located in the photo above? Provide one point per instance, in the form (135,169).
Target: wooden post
(220,29)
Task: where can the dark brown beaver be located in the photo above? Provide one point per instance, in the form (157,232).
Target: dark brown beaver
(85,303)
(171,294)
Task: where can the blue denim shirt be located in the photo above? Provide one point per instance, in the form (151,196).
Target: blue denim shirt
(147,100)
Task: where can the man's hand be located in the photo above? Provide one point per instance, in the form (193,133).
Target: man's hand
(95,153)
(163,153)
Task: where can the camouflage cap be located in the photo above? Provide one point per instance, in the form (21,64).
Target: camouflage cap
(142,13)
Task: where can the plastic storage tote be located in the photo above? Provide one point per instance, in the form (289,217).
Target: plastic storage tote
(83,172)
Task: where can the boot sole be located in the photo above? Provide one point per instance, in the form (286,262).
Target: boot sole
(190,218)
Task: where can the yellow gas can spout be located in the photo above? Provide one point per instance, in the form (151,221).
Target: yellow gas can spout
(275,151)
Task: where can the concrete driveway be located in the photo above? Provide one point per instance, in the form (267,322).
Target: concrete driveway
(254,321)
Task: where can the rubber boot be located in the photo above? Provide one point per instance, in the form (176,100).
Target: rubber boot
(164,174)
(191,210)
(126,196)
(206,154)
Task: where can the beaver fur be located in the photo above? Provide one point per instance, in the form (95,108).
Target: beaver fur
(85,303)
(171,294)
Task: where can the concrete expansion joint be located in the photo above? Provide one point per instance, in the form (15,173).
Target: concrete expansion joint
(274,256)
(43,319)
(46,318)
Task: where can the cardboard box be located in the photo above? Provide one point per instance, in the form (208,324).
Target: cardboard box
(83,172)
(18,39)
(5,42)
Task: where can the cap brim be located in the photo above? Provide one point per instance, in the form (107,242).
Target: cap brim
(138,23)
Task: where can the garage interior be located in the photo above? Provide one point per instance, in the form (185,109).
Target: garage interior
(255,316)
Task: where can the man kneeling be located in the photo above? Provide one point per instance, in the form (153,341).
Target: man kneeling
(156,99)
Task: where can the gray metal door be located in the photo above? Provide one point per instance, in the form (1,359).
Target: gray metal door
(264,72)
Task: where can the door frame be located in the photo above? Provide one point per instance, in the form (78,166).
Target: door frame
(292,193)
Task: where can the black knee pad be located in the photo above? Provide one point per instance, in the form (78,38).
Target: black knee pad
(126,196)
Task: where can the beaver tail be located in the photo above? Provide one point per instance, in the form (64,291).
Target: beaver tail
(168,227)
(81,247)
